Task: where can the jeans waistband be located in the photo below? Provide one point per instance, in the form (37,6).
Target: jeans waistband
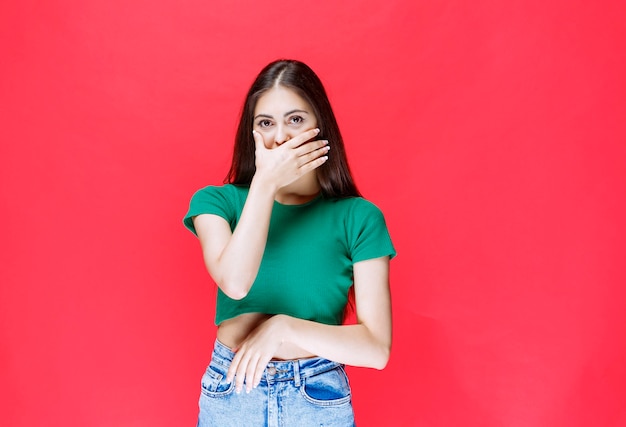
(280,370)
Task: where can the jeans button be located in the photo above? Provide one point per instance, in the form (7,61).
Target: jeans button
(271,370)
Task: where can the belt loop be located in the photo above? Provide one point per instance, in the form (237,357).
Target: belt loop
(296,373)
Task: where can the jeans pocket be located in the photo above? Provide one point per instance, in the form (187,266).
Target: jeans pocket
(214,383)
(328,388)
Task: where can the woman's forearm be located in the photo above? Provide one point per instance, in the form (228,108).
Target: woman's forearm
(237,266)
(355,345)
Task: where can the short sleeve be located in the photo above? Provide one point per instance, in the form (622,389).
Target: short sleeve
(215,200)
(368,233)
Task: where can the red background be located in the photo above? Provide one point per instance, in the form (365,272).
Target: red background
(491,134)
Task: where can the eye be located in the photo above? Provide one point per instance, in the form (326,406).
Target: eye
(264,123)
(296,120)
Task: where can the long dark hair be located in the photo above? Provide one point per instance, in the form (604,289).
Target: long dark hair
(334,175)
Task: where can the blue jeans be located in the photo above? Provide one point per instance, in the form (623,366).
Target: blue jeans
(302,393)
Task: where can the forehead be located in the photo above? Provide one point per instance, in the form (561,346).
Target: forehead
(280,99)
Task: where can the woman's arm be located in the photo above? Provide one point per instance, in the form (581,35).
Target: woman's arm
(366,343)
(233,258)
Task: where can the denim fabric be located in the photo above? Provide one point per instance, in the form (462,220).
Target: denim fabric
(296,393)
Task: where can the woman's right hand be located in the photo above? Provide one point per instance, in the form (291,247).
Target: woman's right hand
(289,161)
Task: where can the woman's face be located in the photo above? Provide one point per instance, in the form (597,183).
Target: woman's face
(281,114)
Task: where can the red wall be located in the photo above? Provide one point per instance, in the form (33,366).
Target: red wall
(491,134)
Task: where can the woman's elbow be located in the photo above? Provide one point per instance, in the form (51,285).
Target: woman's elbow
(232,286)
(379,356)
(236,294)
(382,358)
(378,348)
(234,290)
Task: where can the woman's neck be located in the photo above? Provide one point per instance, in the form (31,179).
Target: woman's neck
(301,191)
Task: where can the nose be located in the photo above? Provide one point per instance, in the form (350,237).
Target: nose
(281,136)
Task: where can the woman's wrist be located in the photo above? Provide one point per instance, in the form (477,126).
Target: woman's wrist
(283,327)
(264,186)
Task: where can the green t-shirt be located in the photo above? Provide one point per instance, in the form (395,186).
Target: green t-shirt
(306,270)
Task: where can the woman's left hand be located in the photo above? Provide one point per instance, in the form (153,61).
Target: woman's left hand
(255,352)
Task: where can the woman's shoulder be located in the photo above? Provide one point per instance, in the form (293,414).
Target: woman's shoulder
(356,211)
(223,200)
(356,204)
(223,189)
(226,196)
(365,229)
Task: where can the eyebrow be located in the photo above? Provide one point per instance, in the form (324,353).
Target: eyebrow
(285,115)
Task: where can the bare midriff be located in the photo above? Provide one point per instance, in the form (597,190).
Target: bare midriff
(233,332)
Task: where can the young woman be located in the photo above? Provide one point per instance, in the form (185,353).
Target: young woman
(287,240)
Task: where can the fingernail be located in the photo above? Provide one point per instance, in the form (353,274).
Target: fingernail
(317,130)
